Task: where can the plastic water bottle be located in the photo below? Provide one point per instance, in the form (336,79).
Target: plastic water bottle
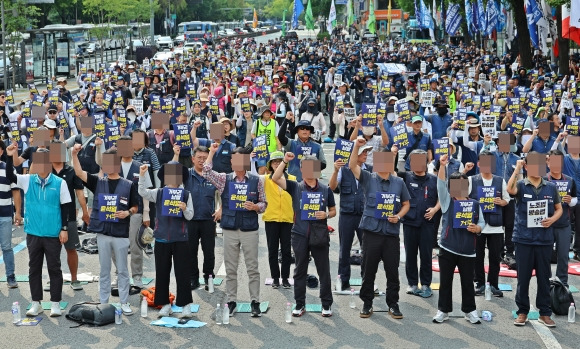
(338,285)
(118,318)
(226,315)
(288,314)
(487,292)
(352,303)
(571,313)
(218,315)
(16,313)
(144,306)
(210,284)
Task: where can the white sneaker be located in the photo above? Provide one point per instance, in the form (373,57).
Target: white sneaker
(411,289)
(440,317)
(35,309)
(186,313)
(55,309)
(165,311)
(114,282)
(326,312)
(473,317)
(126,308)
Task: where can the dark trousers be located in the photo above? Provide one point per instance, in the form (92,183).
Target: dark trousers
(437,224)
(332,127)
(38,249)
(576,211)
(494,247)
(376,248)
(447,263)
(164,253)
(528,258)
(418,240)
(347,226)
(205,231)
(509,219)
(562,237)
(320,255)
(278,234)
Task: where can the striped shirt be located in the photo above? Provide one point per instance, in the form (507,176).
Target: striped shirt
(6,208)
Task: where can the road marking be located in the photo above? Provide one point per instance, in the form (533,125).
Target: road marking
(545,335)
(222,270)
(21,246)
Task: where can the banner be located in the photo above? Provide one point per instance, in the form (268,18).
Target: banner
(440,147)
(179,106)
(182,135)
(537,211)
(399,135)
(108,205)
(453,20)
(572,124)
(112,135)
(385,205)
(238,195)
(99,124)
(342,150)
(310,203)
(369,114)
(403,111)
(172,198)
(488,125)
(463,213)
(563,188)
(260,145)
(486,195)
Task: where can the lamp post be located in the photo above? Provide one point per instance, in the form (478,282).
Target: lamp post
(5,78)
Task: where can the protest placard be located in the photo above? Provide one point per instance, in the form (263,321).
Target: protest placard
(385,205)
(99,124)
(238,194)
(488,125)
(108,206)
(182,135)
(537,211)
(369,114)
(260,146)
(399,135)
(310,203)
(440,147)
(112,135)
(342,150)
(486,195)
(463,213)
(171,199)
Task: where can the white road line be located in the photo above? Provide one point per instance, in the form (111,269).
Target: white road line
(545,335)
(222,270)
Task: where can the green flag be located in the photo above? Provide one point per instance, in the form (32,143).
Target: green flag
(372,21)
(350,14)
(308,17)
(284,23)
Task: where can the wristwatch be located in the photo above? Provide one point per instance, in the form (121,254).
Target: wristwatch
(65,228)
(130,213)
(399,218)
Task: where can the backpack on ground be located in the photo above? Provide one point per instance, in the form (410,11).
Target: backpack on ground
(95,314)
(560,297)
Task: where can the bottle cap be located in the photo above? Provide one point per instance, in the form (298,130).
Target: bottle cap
(289,303)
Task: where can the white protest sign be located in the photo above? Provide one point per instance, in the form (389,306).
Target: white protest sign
(488,125)
(537,211)
(138,104)
(349,114)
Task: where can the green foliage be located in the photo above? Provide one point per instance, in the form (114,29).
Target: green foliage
(275,9)
(323,35)
(19,15)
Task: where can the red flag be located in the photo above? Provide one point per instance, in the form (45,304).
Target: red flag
(571,22)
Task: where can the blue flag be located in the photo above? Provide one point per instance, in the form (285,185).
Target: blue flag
(298,9)
(425,20)
(453,19)
(533,14)
(492,16)
(480,19)
(501,18)
(469,16)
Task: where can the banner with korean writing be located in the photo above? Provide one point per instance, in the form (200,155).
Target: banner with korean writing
(10,96)
(486,195)
(488,125)
(191,91)
(260,146)
(461,118)
(14,131)
(108,99)
(214,106)
(112,135)
(53,96)
(62,120)
(310,203)
(399,135)
(381,110)
(440,147)
(182,135)
(108,205)
(31,125)
(245,104)
(171,198)
(118,97)
(403,111)
(342,150)
(572,124)
(349,114)
(462,213)
(537,211)
(369,114)
(179,106)
(385,205)
(122,117)
(563,188)
(238,194)
(99,124)
(78,104)
(518,122)
(166,105)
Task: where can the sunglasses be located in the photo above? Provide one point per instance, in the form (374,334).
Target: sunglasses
(52,111)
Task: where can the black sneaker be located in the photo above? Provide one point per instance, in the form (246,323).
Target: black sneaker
(276,284)
(206,283)
(366,311)
(286,283)
(345,286)
(576,256)
(256,312)
(299,310)
(496,292)
(194,284)
(395,312)
(149,249)
(479,290)
(232,306)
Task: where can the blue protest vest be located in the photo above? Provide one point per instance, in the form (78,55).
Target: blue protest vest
(440,124)
(468,155)
(302,227)
(533,236)
(163,149)
(295,145)
(423,145)
(458,240)
(542,146)
(572,168)
(145,157)
(170,229)
(423,192)
(118,229)
(377,184)
(564,220)
(133,176)
(87,155)
(453,165)
(505,167)
(243,220)
(352,198)
(222,160)
(493,219)
(42,207)
(202,194)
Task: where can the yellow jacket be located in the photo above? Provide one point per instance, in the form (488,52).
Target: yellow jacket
(279,207)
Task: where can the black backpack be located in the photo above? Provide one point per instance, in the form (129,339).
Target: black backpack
(561,297)
(94,314)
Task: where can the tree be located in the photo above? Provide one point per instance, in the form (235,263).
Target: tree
(275,8)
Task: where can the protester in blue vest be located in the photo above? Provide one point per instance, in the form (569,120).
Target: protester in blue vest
(492,233)
(538,207)
(457,245)
(441,121)
(112,228)
(243,198)
(171,240)
(352,203)
(419,223)
(223,157)
(45,225)
(308,225)
(301,146)
(380,235)
(541,140)
(471,142)
(562,229)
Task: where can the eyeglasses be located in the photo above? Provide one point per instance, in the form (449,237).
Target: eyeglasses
(52,111)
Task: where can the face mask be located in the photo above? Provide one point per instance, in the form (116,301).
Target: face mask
(305,88)
(525,138)
(131,115)
(311,109)
(441,111)
(391,117)
(368,131)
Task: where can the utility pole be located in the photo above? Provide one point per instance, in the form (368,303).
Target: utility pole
(4,48)
(151,25)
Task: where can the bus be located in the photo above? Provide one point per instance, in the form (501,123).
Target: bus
(198,29)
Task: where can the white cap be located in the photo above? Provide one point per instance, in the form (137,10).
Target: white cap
(363,148)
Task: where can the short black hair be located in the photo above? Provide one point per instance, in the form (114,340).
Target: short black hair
(484,153)
(555,152)
(241,150)
(138,130)
(111,151)
(125,137)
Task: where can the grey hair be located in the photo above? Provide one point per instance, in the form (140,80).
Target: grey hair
(307,157)
(420,151)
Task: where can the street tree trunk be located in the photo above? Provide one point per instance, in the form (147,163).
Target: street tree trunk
(523,34)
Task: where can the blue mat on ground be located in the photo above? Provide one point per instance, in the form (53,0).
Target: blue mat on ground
(173,322)
(194,308)
(505,287)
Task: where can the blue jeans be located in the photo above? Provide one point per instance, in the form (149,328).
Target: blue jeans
(6,243)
